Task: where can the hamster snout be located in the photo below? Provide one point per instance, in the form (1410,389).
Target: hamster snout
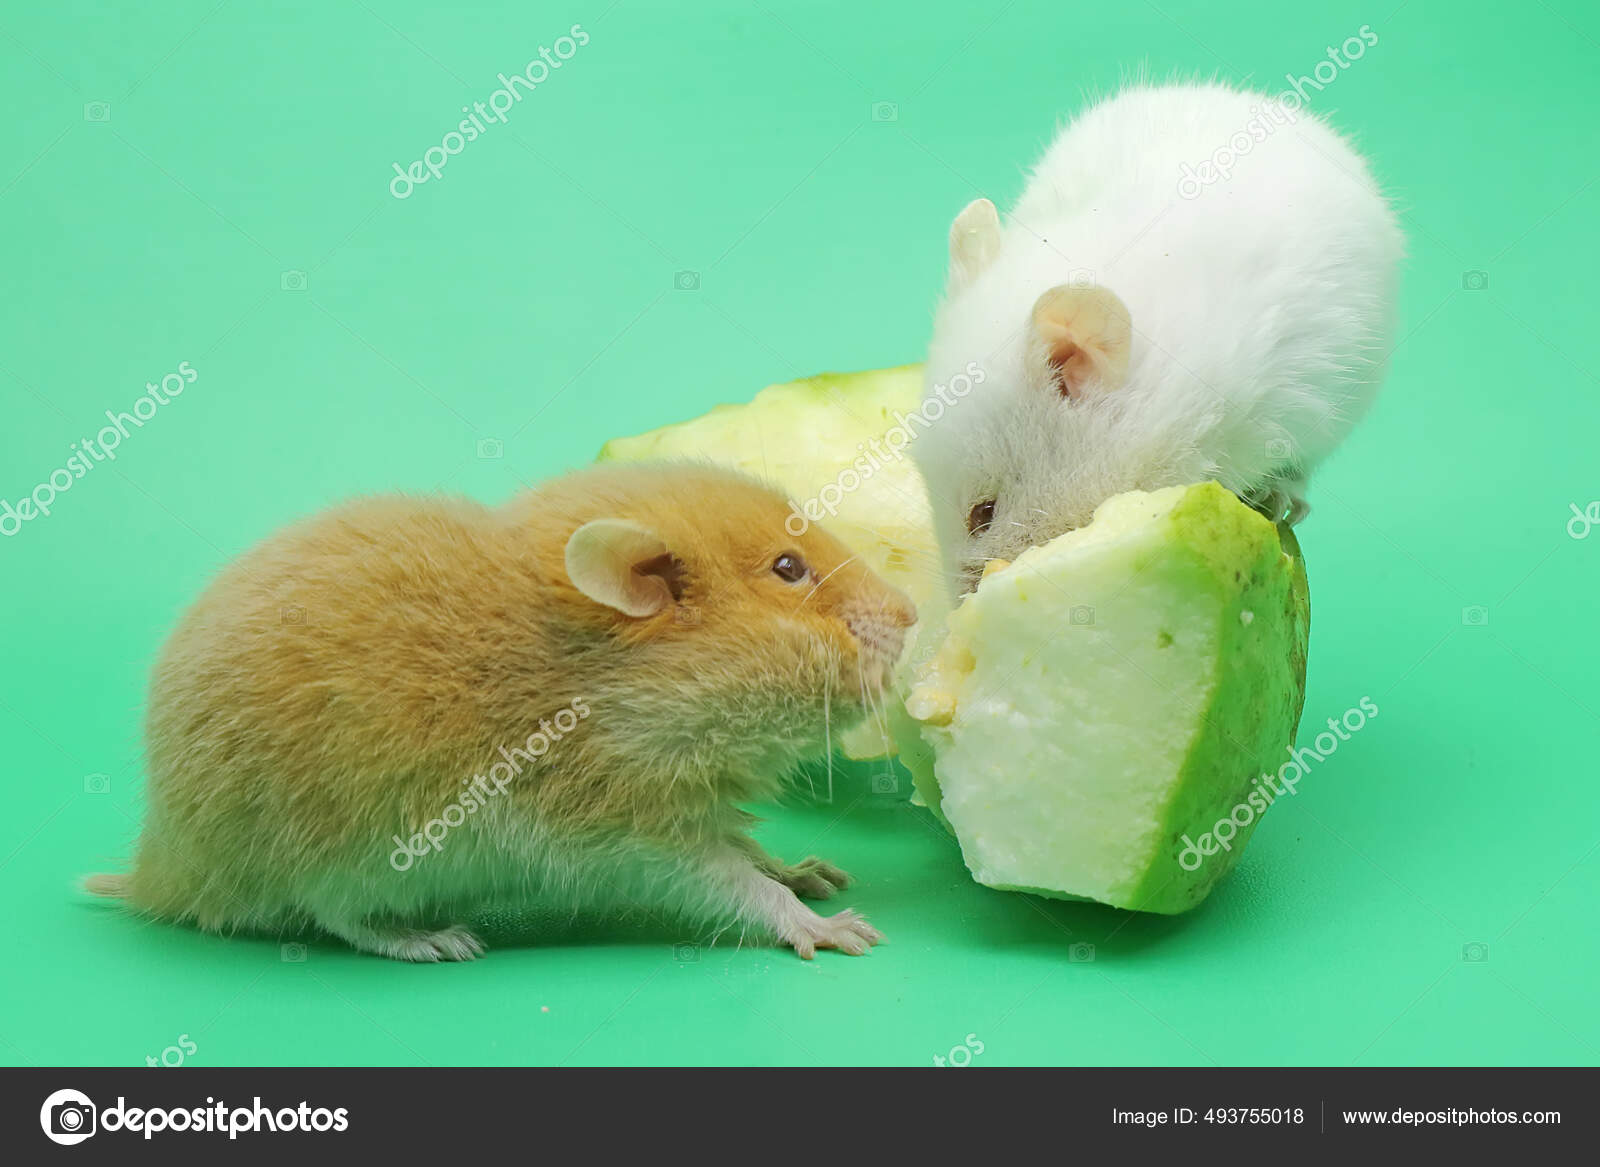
(881,630)
(1003,545)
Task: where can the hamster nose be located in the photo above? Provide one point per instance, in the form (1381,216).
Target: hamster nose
(902,613)
(881,631)
(898,617)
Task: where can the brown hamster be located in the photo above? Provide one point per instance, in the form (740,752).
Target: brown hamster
(405,709)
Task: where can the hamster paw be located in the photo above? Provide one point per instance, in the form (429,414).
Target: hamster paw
(846,932)
(398,943)
(453,943)
(813,879)
(1284,503)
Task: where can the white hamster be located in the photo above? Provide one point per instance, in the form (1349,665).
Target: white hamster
(1196,283)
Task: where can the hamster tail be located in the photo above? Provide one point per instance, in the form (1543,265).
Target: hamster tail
(113,885)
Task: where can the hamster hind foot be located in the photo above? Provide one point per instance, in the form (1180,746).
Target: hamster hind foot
(414,944)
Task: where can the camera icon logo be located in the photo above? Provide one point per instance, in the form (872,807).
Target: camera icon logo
(68,1117)
(292,953)
(1475,616)
(884,782)
(490,449)
(686,953)
(686,281)
(1475,953)
(1081,616)
(97,784)
(1475,281)
(293,616)
(1081,277)
(1279,449)
(885,111)
(1080,953)
(686,614)
(97,111)
(292,281)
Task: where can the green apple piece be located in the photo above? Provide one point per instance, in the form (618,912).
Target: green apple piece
(808,438)
(801,436)
(1113,693)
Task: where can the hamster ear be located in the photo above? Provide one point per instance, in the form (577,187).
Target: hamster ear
(1083,336)
(623,566)
(974,242)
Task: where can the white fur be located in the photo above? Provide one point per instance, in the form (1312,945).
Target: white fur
(1261,314)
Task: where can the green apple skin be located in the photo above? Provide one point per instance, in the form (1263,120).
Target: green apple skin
(1256,708)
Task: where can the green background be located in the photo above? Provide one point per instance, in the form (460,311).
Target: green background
(529,295)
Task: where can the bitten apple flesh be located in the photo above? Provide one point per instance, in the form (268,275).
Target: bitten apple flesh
(1113,692)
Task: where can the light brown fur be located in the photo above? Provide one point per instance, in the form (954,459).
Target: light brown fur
(334,687)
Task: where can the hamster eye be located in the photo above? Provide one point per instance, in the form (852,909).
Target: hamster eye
(980,517)
(790,568)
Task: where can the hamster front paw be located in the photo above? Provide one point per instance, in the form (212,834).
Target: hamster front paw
(846,932)
(760,890)
(1284,502)
(812,878)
